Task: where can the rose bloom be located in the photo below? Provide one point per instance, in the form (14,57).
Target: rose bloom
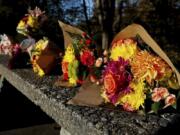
(159,93)
(99,62)
(110,83)
(170,100)
(87,58)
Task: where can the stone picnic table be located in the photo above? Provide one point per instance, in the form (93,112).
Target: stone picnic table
(78,120)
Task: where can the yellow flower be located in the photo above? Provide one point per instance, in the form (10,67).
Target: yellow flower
(104,96)
(136,98)
(21,28)
(72,81)
(73,72)
(32,22)
(123,49)
(37,69)
(69,54)
(40,46)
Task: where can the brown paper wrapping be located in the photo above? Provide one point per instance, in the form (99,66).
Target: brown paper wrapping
(88,93)
(47,59)
(67,30)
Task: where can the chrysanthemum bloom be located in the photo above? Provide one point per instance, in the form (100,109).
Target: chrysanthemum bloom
(147,66)
(159,94)
(170,100)
(70,66)
(69,54)
(32,22)
(116,79)
(126,49)
(133,100)
(73,72)
(87,58)
(38,48)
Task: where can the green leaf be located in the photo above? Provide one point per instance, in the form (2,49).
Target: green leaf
(155,107)
(174,106)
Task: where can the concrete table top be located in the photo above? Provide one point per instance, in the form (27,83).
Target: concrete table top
(83,120)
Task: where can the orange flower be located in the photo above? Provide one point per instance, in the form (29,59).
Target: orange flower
(109,83)
(65,67)
(153,67)
(65,70)
(170,100)
(159,93)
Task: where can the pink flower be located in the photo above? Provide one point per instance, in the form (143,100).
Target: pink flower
(127,107)
(99,62)
(92,78)
(170,100)
(105,53)
(159,93)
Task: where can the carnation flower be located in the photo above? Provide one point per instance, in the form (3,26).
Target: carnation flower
(170,100)
(87,58)
(116,79)
(159,94)
(123,48)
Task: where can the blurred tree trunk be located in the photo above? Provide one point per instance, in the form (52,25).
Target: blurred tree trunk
(105,12)
(86,16)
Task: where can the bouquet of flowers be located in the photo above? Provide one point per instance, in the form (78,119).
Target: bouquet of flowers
(78,60)
(135,75)
(15,51)
(29,22)
(5,44)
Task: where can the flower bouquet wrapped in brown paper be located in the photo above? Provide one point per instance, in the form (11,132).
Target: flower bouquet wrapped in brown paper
(78,58)
(136,76)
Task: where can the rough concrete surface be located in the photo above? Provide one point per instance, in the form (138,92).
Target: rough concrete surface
(84,120)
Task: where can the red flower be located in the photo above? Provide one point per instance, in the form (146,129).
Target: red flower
(84,34)
(87,58)
(65,70)
(88,42)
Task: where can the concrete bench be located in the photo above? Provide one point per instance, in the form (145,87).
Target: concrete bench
(76,120)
